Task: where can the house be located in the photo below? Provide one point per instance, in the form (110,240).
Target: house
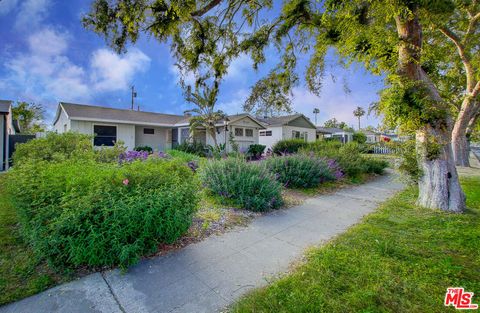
(286,127)
(157,130)
(372,137)
(6,129)
(342,135)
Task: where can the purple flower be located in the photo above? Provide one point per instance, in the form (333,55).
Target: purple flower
(193,166)
(131,156)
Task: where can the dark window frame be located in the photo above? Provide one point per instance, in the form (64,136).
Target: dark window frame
(241,131)
(149,131)
(247,130)
(105,139)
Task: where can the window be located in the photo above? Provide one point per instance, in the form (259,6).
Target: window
(248,132)
(64,128)
(265,133)
(184,134)
(149,131)
(239,132)
(104,135)
(261,133)
(295,134)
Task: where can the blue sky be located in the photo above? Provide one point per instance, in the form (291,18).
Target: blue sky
(47,56)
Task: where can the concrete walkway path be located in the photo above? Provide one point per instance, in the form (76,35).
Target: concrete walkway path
(209,275)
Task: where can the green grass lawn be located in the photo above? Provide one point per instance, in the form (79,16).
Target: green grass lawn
(21,274)
(400,259)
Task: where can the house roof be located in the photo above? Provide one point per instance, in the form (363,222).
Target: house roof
(283,120)
(331,130)
(5,106)
(97,113)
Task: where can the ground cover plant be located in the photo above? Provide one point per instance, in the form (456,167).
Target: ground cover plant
(22,273)
(247,184)
(400,259)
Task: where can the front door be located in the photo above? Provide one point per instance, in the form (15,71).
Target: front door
(174,137)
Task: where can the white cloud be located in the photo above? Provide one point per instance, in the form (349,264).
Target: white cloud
(235,105)
(44,73)
(188,77)
(333,103)
(112,72)
(31,14)
(6,6)
(238,69)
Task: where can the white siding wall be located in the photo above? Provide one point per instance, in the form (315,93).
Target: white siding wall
(158,141)
(63,123)
(125,132)
(288,130)
(269,141)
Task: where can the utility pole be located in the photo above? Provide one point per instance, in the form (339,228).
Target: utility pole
(316,111)
(134,95)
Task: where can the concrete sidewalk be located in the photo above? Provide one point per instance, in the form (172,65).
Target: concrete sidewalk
(207,276)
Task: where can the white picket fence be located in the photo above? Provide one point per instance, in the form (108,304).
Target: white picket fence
(382,150)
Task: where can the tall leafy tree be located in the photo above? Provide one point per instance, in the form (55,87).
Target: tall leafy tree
(358,113)
(29,116)
(387,37)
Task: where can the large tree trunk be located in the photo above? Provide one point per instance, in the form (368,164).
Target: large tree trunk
(439,187)
(460,144)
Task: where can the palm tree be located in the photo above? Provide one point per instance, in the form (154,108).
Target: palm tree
(359,112)
(316,111)
(206,115)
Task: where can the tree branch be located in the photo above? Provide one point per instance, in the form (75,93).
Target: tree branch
(206,8)
(463,56)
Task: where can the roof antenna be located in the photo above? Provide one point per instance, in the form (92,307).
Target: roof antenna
(134,95)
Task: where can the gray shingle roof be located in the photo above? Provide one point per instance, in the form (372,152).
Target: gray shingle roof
(279,120)
(5,106)
(90,112)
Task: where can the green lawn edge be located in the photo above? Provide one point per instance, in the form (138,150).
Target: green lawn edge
(400,258)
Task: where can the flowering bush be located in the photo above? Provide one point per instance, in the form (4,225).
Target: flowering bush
(249,185)
(82,213)
(289,146)
(301,171)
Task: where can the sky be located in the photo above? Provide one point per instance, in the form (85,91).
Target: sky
(46,56)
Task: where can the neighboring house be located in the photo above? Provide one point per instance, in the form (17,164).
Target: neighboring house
(341,135)
(157,130)
(6,129)
(372,137)
(286,127)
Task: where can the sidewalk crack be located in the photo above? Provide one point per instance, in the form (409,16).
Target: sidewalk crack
(113,293)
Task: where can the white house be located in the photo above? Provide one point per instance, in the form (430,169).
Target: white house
(6,129)
(157,130)
(372,137)
(286,127)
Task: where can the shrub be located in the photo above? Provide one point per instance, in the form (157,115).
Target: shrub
(300,171)
(348,156)
(408,161)
(289,146)
(183,156)
(255,151)
(83,213)
(193,147)
(359,137)
(144,148)
(110,154)
(54,147)
(249,185)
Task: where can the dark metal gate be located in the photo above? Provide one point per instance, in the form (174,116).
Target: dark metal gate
(13,140)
